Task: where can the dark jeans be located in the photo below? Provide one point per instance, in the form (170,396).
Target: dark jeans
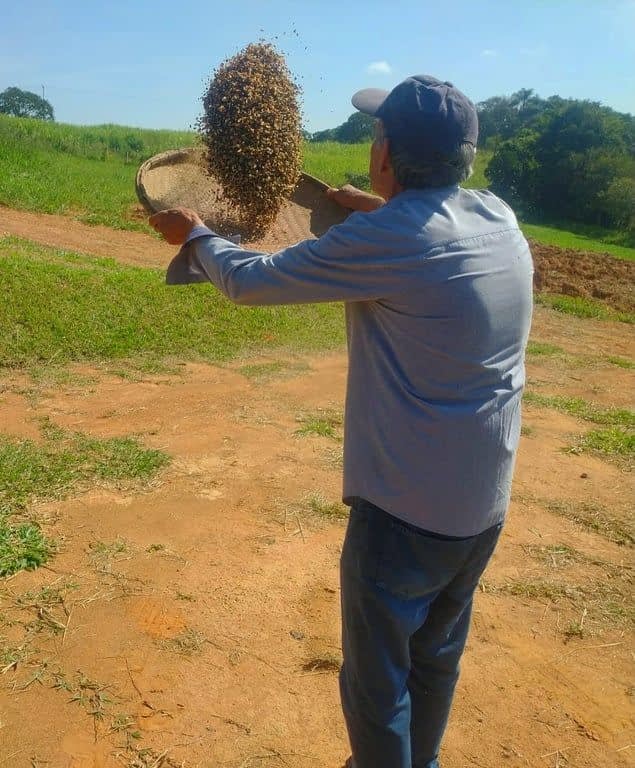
(406,606)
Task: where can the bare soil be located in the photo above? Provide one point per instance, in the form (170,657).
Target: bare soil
(196,621)
(589,275)
(135,248)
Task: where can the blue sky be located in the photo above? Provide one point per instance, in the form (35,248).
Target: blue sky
(146,63)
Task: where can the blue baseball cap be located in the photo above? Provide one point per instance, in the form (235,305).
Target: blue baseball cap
(427,118)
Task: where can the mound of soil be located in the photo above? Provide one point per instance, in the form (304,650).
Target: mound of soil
(597,276)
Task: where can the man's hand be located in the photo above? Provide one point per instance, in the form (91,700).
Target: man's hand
(175,224)
(349,196)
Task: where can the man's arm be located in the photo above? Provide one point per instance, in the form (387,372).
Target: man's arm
(349,196)
(347,264)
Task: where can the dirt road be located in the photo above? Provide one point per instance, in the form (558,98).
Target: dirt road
(134,248)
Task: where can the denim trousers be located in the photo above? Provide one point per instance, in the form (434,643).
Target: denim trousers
(406,606)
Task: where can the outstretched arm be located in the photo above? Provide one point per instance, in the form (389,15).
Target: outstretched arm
(346,264)
(349,196)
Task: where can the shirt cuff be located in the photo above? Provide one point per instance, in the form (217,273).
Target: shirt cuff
(200,230)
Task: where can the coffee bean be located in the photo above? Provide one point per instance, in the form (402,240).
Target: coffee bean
(251,130)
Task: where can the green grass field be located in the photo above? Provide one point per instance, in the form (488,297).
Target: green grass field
(602,240)
(61,306)
(580,306)
(88,172)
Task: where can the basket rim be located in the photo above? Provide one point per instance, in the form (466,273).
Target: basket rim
(183,155)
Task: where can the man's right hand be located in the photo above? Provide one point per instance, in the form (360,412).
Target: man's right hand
(175,224)
(349,196)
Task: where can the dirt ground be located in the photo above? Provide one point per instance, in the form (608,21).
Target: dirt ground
(590,275)
(195,622)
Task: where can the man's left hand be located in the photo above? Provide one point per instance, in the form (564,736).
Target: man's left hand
(175,224)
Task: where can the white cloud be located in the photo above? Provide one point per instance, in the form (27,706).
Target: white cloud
(489,52)
(379,68)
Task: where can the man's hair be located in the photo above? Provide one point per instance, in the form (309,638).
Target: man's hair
(444,171)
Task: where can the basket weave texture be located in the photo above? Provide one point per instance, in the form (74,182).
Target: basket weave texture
(178,178)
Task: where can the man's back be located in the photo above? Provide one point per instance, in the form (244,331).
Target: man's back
(438,291)
(436,361)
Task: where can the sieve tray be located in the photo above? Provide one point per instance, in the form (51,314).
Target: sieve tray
(178,178)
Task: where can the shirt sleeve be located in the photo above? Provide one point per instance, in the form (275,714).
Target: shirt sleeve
(342,265)
(200,230)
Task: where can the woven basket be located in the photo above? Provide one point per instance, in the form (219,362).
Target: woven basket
(178,178)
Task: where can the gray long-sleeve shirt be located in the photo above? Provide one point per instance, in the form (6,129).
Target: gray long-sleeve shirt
(438,292)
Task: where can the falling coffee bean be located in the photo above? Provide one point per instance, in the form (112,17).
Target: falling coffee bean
(251,130)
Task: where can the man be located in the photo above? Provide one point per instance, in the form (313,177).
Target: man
(437,282)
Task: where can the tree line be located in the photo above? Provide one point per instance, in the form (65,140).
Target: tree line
(561,158)
(551,158)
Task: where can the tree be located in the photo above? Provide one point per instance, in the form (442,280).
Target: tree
(326,135)
(617,202)
(18,103)
(574,161)
(502,117)
(358,127)
(497,118)
(512,171)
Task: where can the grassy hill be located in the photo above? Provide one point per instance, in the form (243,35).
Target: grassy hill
(88,172)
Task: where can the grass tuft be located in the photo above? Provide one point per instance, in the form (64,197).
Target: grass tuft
(141,367)
(543,349)
(582,409)
(563,556)
(581,307)
(11,655)
(621,362)
(556,555)
(188,643)
(617,441)
(23,547)
(106,550)
(325,662)
(277,369)
(332,510)
(596,518)
(65,461)
(606,602)
(325,423)
(607,442)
